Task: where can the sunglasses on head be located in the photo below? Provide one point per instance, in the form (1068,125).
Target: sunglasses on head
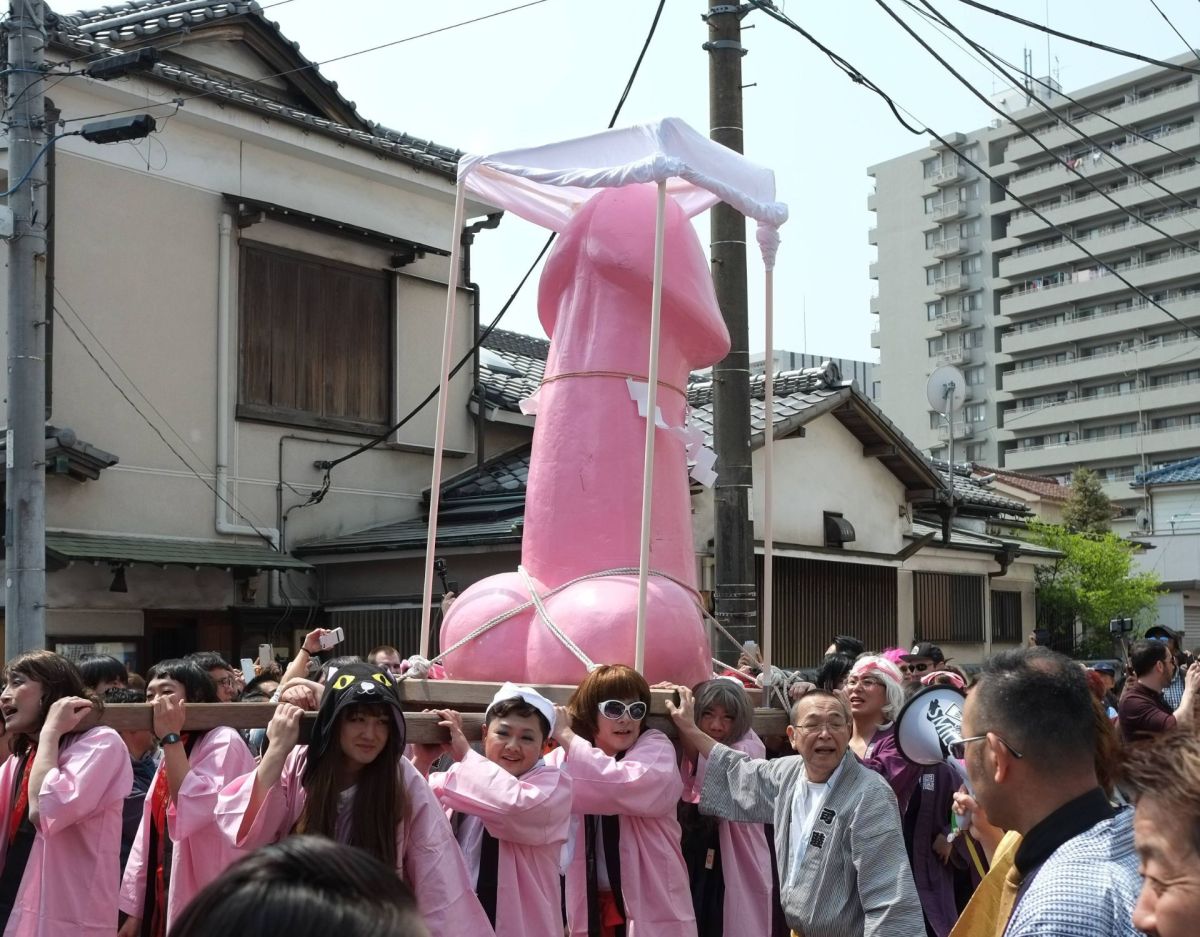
(614,709)
(914,668)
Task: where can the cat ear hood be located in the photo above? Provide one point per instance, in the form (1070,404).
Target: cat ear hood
(351,685)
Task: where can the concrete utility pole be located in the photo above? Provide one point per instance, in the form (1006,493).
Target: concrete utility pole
(734,591)
(25,494)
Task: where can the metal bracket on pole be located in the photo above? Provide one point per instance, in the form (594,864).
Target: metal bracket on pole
(722,44)
(740,9)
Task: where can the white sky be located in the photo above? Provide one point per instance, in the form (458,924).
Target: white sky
(555,71)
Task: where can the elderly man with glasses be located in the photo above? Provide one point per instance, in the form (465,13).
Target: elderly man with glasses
(843,871)
(1029,740)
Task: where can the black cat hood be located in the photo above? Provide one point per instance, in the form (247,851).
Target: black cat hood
(352,685)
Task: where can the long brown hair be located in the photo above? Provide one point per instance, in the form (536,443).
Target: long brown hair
(58,678)
(380,799)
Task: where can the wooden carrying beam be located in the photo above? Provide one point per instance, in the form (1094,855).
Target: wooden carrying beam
(422,727)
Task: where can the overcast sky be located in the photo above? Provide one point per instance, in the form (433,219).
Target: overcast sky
(555,70)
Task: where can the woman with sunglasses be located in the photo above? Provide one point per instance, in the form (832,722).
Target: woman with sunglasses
(64,788)
(179,848)
(626,877)
(351,783)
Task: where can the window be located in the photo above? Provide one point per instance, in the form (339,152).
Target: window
(933,310)
(930,167)
(948,607)
(936,420)
(973,339)
(316,341)
(975,452)
(969,229)
(935,345)
(971,302)
(1006,617)
(932,238)
(974,376)
(933,274)
(932,203)
(972,264)
(975,412)
(968,192)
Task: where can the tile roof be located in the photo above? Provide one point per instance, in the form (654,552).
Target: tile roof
(973,493)
(109,30)
(411,535)
(505,475)
(66,546)
(972,540)
(1177,473)
(1047,488)
(523,354)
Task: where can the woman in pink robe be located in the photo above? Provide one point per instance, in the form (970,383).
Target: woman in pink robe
(626,788)
(64,792)
(729,863)
(179,848)
(329,787)
(511,810)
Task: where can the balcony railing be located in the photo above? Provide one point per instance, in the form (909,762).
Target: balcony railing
(949,284)
(952,319)
(1130,349)
(1134,435)
(1139,184)
(1100,111)
(1066,277)
(962,430)
(955,356)
(1097,154)
(950,172)
(948,210)
(947,247)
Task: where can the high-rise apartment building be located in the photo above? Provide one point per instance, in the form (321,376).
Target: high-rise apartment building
(1065,365)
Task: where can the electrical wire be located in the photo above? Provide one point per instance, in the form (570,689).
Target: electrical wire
(36,159)
(153,428)
(486,332)
(859,78)
(1026,132)
(1186,44)
(1191,70)
(249,86)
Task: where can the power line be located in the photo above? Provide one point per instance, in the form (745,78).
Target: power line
(1081,41)
(1028,133)
(249,86)
(157,432)
(1186,44)
(482,337)
(859,78)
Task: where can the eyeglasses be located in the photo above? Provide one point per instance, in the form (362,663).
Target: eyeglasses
(852,682)
(914,668)
(228,682)
(812,728)
(958,748)
(614,709)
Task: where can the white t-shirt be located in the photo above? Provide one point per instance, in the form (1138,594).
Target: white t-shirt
(807,800)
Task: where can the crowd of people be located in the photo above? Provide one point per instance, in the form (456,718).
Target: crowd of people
(1080,816)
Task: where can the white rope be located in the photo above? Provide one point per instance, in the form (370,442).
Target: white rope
(525,606)
(549,622)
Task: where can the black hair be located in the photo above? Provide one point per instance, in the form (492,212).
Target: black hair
(101,668)
(516,706)
(254,687)
(304,886)
(835,668)
(1038,701)
(122,694)
(337,663)
(210,660)
(1143,655)
(848,645)
(198,686)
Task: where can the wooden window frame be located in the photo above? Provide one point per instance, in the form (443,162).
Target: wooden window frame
(286,416)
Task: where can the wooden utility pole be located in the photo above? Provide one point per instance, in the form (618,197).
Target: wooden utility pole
(734,591)
(25,473)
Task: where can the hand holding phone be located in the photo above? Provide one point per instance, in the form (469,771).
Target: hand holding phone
(330,638)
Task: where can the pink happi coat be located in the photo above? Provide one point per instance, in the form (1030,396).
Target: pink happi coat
(643,788)
(427,855)
(745,853)
(70,884)
(531,817)
(199,850)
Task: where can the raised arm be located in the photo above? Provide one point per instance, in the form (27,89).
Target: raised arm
(67,786)
(743,789)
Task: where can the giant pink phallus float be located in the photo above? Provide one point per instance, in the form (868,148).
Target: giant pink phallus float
(627,300)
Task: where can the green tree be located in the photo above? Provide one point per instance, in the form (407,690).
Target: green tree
(1088,510)
(1091,583)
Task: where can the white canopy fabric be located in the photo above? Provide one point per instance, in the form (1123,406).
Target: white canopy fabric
(547,184)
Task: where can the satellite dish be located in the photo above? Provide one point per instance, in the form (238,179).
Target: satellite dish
(1142,519)
(946,389)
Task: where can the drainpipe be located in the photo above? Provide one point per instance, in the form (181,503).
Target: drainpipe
(468,238)
(224,413)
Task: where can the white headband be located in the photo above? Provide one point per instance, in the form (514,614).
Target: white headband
(529,695)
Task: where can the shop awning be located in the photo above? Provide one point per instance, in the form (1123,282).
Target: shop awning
(63,547)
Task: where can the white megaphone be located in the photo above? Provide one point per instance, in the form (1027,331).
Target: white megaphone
(928,723)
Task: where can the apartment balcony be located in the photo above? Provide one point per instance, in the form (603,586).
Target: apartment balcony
(951,172)
(871,202)
(873,235)
(1127,235)
(875,337)
(873,270)
(962,430)
(1110,322)
(874,306)
(1097,162)
(1084,409)
(955,356)
(948,211)
(1140,192)
(1086,285)
(1138,357)
(951,284)
(952,319)
(1084,451)
(947,247)
(1130,114)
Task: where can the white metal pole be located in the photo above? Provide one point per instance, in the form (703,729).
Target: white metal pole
(639,659)
(439,437)
(768,465)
